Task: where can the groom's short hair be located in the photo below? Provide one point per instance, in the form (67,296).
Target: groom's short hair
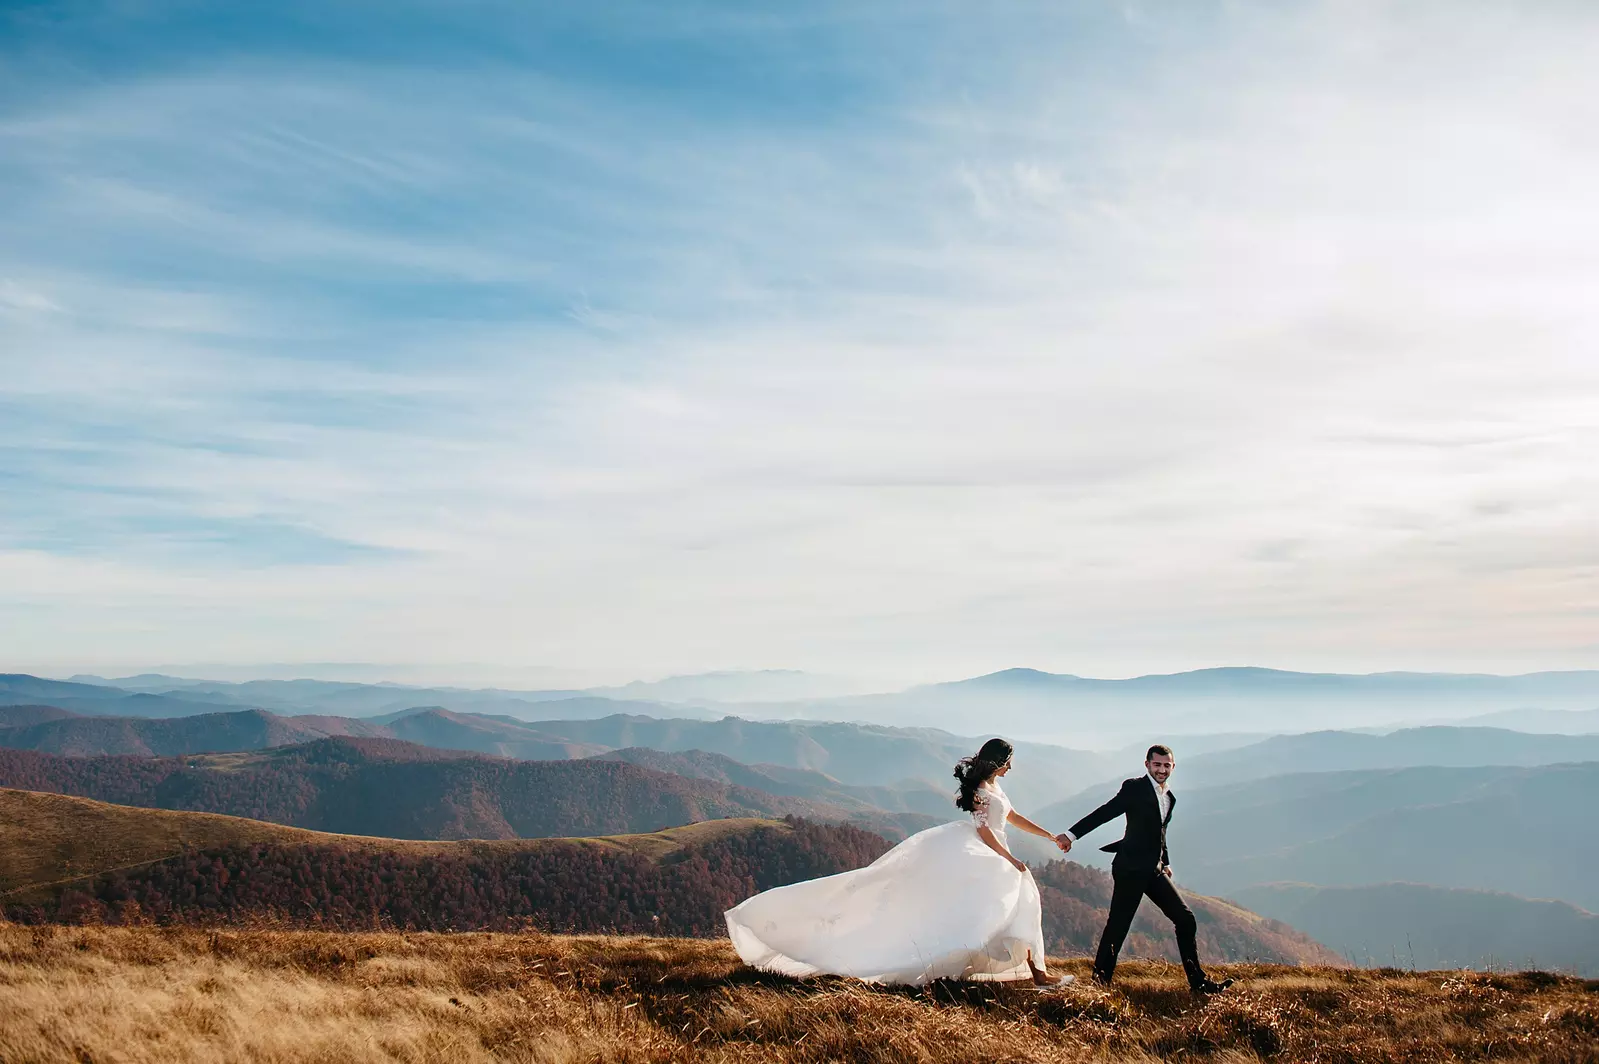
(1159,748)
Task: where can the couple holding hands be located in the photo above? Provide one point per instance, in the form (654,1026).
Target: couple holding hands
(954,902)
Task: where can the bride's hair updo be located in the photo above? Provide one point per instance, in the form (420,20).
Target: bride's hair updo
(973,772)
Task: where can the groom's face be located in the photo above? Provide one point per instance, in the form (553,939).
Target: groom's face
(1160,767)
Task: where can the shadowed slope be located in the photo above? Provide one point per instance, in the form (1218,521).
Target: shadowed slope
(1411,925)
(503,737)
(368,786)
(251,729)
(114,864)
(794,782)
(27,716)
(58,731)
(890,760)
(47,840)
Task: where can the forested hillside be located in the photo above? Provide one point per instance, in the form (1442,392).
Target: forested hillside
(859,755)
(560,885)
(937,803)
(65,732)
(400,790)
(59,731)
(678,882)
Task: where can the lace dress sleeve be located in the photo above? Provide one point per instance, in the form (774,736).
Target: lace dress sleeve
(980,808)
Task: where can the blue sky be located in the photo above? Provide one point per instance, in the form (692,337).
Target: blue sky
(898,340)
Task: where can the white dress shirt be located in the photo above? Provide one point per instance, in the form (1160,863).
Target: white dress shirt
(1160,796)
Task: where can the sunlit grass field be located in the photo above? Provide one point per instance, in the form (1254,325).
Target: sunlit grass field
(167,994)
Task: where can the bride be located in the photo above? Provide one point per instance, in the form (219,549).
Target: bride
(948,902)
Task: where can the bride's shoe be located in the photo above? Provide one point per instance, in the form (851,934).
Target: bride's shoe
(1052,982)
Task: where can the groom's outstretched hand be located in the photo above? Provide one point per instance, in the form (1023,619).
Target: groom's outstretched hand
(1064,841)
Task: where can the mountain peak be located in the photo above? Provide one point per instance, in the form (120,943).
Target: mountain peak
(1016,678)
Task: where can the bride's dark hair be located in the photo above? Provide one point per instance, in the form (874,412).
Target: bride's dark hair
(973,772)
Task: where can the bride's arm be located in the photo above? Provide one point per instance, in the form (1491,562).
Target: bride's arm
(1027,825)
(986,833)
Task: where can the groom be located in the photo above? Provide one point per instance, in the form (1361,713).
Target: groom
(1141,868)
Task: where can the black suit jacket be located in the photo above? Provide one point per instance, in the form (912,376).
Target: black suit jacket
(1143,845)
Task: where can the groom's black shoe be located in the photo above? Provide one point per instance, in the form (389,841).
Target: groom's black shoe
(1212,986)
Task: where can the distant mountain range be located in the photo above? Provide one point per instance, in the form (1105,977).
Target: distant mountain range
(856,754)
(19,689)
(1524,831)
(174,697)
(1548,721)
(61,731)
(1580,687)
(365,786)
(1407,925)
(912,760)
(1333,751)
(795,782)
(720,687)
(904,769)
(57,731)
(1079,712)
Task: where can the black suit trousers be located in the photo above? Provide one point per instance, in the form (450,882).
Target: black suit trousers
(1130,889)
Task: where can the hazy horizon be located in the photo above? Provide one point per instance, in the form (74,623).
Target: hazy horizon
(481,675)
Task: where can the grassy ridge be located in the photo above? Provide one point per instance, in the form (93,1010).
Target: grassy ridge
(49,839)
(72,860)
(182,995)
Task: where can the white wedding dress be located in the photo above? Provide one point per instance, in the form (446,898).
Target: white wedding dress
(941,904)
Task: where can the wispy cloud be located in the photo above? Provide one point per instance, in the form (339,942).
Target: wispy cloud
(885,339)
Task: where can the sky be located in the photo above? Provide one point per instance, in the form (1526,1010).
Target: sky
(901,340)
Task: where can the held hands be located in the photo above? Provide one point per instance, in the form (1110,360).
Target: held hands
(1064,841)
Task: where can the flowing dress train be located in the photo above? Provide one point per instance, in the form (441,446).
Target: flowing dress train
(941,904)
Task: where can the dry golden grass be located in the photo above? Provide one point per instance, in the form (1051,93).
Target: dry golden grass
(167,994)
